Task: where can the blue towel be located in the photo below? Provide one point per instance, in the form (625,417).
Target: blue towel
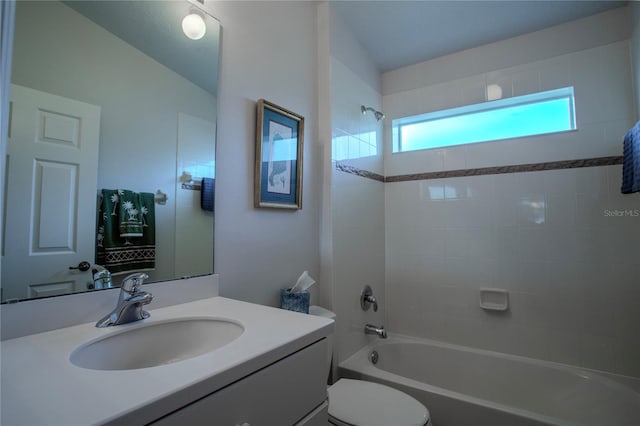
(631,161)
(207,194)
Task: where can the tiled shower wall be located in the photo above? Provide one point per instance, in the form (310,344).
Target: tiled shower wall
(565,243)
(553,239)
(357,209)
(357,203)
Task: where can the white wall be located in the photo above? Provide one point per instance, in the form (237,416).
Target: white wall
(259,251)
(268,51)
(550,238)
(137,133)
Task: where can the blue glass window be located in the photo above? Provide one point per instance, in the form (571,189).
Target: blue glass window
(536,114)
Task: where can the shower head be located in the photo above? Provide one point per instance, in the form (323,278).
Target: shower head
(378,114)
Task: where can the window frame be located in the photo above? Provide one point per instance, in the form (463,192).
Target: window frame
(500,104)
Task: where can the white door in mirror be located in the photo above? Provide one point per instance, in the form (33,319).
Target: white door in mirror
(53,150)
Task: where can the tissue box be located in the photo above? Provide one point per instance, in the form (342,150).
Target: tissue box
(298,302)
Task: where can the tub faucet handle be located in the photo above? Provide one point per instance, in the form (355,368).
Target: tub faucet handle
(367,299)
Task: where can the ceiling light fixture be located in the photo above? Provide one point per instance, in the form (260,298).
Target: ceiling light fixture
(193,25)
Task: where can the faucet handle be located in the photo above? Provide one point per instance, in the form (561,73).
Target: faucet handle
(367,299)
(133,282)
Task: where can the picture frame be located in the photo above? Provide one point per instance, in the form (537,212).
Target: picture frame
(279,157)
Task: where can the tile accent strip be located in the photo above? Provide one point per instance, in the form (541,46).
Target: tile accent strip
(518,168)
(359,172)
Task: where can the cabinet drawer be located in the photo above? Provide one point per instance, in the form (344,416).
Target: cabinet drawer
(280,394)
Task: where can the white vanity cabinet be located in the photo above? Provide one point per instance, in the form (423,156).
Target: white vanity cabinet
(273,374)
(291,391)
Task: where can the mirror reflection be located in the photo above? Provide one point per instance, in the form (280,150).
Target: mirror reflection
(112,140)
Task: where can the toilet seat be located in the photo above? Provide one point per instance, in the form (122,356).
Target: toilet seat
(362,403)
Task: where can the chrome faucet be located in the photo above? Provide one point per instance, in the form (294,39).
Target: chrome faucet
(130,301)
(379,331)
(367,299)
(101,277)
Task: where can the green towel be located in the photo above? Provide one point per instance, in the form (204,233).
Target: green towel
(126,239)
(130,213)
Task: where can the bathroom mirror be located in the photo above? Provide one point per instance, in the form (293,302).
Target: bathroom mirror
(122,100)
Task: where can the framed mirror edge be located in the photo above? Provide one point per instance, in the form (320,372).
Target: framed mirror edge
(8,31)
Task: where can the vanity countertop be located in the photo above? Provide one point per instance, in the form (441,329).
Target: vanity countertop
(40,386)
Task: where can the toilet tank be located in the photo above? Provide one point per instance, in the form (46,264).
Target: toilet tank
(322,312)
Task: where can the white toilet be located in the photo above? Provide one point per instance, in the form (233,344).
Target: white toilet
(363,403)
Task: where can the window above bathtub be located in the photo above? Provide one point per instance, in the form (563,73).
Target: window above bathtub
(540,113)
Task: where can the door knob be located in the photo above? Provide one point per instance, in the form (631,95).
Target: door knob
(82,266)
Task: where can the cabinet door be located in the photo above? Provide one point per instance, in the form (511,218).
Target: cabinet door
(278,395)
(318,417)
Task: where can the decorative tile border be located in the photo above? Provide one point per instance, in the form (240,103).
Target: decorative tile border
(518,168)
(359,172)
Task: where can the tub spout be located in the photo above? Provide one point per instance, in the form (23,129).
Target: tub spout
(379,331)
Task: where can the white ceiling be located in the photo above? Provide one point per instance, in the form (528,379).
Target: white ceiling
(154,27)
(398,33)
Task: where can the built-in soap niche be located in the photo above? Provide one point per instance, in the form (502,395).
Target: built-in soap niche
(494,299)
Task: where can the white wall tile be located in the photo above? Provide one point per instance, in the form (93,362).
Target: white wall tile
(589,243)
(615,131)
(506,241)
(591,180)
(558,271)
(357,203)
(598,352)
(474,91)
(616,61)
(564,347)
(590,210)
(627,353)
(570,267)
(454,158)
(526,82)
(554,74)
(604,108)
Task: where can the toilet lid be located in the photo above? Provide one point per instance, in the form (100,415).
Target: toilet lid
(359,402)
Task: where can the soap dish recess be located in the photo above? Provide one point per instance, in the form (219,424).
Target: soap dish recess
(494,299)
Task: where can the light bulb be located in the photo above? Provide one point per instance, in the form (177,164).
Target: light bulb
(193,26)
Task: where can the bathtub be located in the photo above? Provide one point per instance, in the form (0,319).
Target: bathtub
(462,386)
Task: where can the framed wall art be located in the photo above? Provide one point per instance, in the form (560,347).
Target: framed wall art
(279,149)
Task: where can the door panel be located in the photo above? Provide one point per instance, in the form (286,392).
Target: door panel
(53,146)
(54,219)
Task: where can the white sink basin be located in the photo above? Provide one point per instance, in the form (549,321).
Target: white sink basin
(155,344)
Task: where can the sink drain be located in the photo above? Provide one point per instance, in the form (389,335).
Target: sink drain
(373,357)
